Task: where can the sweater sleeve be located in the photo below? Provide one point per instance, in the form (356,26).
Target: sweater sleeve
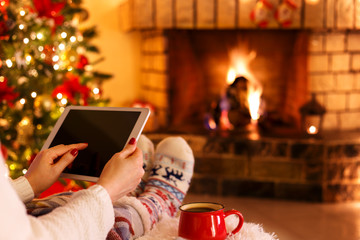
(23,189)
(89,215)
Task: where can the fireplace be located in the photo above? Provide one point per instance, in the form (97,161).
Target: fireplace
(200,63)
(186,58)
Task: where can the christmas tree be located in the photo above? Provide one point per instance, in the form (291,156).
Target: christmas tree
(44,67)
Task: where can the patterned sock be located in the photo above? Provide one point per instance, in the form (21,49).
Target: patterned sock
(170,178)
(147,147)
(128,224)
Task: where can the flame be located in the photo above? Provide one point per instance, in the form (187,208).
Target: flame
(254,97)
(240,62)
(231,75)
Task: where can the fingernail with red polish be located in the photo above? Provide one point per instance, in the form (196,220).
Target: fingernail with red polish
(132,141)
(74,152)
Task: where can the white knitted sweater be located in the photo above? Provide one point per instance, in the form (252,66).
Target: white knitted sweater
(89,215)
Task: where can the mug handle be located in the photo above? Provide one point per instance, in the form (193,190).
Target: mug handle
(241,219)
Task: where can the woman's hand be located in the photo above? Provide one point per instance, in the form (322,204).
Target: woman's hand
(123,172)
(49,164)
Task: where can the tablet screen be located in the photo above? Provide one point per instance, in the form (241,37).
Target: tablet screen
(106,134)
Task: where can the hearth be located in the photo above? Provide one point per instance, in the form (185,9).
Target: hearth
(187,56)
(202,84)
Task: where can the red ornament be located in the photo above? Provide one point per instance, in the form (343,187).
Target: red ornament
(83,61)
(71,88)
(3,18)
(50,9)
(4,152)
(7,93)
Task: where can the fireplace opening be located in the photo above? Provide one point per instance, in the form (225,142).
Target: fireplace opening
(203,66)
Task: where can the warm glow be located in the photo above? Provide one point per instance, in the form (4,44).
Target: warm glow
(8,63)
(231,76)
(33,94)
(254,103)
(212,123)
(56,67)
(63,34)
(225,124)
(55,58)
(22,101)
(39,36)
(21,26)
(240,63)
(313,2)
(312,130)
(62,46)
(59,96)
(64,101)
(96,90)
(22,12)
(26,40)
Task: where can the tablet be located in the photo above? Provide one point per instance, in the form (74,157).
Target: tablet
(106,129)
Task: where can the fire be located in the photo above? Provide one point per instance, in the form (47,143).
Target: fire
(254,98)
(240,63)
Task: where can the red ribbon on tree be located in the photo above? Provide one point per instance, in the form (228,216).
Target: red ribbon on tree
(71,88)
(83,61)
(7,93)
(50,9)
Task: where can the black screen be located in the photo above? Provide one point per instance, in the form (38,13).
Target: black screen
(106,132)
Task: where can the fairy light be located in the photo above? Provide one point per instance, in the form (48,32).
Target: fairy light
(59,96)
(43,55)
(62,46)
(39,36)
(33,94)
(21,26)
(8,63)
(55,58)
(56,66)
(2,79)
(80,38)
(28,58)
(41,48)
(12,167)
(24,171)
(22,101)
(96,90)
(33,36)
(63,34)
(26,40)
(22,12)
(2,3)
(63,101)
(72,39)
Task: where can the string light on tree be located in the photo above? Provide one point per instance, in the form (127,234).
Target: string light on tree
(43,68)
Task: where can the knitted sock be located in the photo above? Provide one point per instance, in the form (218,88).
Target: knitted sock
(128,224)
(147,147)
(170,178)
(164,192)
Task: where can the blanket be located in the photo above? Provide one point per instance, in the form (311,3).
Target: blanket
(167,229)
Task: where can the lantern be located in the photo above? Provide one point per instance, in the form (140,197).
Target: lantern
(312,114)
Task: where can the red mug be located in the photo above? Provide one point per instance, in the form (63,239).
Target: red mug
(203,220)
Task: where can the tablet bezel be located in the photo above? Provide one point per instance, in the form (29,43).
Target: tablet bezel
(135,133)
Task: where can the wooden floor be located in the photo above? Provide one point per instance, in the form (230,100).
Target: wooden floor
(291,220)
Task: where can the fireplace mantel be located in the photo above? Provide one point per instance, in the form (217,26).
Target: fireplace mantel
(235,14)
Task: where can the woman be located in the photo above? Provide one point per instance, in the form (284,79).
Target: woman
(104,210)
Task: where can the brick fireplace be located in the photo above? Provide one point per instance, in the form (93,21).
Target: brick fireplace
(327,63)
